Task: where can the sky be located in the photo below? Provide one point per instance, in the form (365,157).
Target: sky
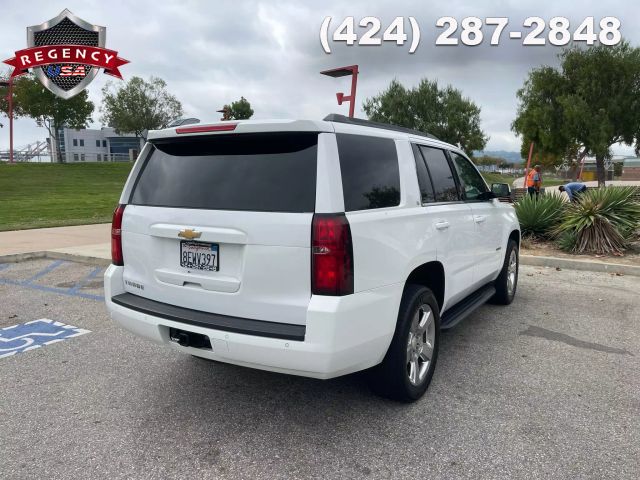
(212,52)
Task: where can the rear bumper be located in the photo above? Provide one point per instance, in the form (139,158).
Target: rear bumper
(283,331)
(342,334)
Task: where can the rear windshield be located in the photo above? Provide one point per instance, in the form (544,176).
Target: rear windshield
(273,172)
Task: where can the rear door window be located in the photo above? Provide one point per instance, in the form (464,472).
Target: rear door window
(274,172)
(370,172)
(444,184)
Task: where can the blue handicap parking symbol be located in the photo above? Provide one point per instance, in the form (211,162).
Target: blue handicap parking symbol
(27,336)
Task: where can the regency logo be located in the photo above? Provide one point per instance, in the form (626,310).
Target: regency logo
(66,53)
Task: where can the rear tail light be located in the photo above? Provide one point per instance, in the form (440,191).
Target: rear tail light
(116,236)
(331,255)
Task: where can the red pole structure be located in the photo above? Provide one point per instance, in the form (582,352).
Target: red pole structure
(582,160)
(354,84)
(343,72)
(10,120)
(526,171)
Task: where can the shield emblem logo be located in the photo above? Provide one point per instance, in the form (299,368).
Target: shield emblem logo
(66,80)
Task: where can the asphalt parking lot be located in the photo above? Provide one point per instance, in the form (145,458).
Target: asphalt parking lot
(546,388)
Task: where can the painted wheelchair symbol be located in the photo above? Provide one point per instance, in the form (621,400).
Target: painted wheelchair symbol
(35,334)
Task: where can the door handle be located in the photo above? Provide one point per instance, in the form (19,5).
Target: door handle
(479,218)
(442,225)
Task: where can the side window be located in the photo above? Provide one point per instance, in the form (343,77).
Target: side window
(444,185)
(370,172)
(424,180)
(472,183)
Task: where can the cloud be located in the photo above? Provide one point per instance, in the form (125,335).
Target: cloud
(211,53)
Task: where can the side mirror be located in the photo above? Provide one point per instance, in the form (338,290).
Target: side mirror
(487,196)
(501,190)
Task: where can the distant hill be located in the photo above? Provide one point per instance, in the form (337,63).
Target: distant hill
(511,157)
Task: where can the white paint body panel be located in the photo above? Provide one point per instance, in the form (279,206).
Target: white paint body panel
(344,334)
(490,226)
(264,274)
(265,271)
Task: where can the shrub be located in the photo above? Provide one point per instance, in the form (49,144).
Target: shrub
(539,216)
(602,221)
(567,241)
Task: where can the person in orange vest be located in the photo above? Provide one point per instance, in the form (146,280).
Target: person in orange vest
(534,181)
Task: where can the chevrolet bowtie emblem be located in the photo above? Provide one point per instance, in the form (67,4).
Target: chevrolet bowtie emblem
(189,234)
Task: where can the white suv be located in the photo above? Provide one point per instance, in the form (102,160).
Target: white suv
(314,248)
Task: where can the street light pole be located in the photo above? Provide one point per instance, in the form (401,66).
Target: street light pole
(9,84)
(343,72)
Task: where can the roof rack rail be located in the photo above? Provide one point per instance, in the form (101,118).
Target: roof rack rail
(334,117)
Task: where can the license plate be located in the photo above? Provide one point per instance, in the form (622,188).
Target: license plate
(199,255)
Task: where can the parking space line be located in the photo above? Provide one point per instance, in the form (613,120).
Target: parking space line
(52,266)
(80,283)
(43,288)
(73,291)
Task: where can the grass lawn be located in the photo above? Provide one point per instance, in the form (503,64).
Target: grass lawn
(36,195)
(552,182)
(547,181)
(498,178)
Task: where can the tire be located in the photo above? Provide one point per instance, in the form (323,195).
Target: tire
(506,284)
(405,373)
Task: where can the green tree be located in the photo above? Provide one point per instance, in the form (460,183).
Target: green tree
(31,99)
(443,112)
(138,106)
(548,161)
(239,110)
(588,104)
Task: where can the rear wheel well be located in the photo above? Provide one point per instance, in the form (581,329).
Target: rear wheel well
(515,235)
(430,275)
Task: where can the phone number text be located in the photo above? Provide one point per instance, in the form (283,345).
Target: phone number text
(470,31)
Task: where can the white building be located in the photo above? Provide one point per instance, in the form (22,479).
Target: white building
(93,145)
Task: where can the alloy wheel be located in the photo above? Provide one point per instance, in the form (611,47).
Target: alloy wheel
(420,344)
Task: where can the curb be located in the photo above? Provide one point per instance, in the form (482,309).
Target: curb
(23,257)
(571,264)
